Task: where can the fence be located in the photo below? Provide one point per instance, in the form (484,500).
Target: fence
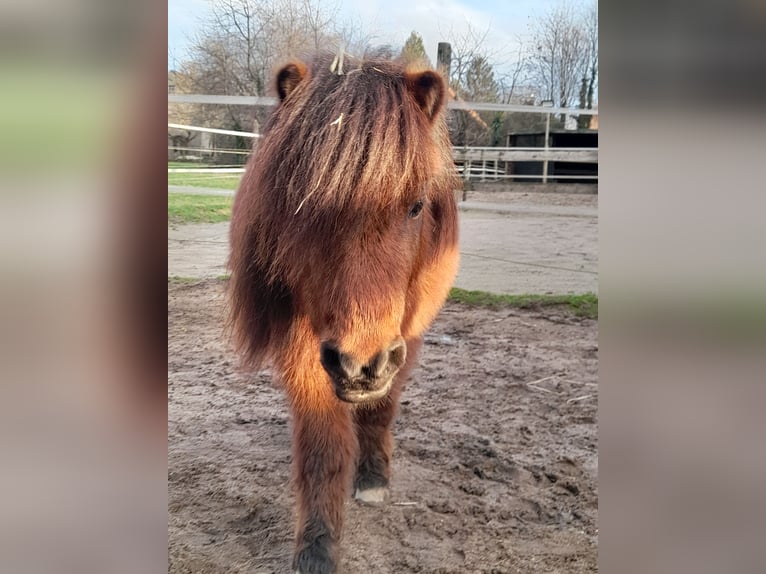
(483,164)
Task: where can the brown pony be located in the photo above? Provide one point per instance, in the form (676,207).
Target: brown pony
(343,250)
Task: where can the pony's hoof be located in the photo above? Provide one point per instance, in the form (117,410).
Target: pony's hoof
(374,496)
(316,558)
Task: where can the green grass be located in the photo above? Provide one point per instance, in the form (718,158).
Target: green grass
(183,208)
(178,280)
(189,164)
(582,305)
(214,180)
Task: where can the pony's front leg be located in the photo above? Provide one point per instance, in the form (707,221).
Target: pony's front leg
(324,451)
(374,435)
(373,472)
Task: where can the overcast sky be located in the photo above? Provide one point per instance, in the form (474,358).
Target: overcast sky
(392,21)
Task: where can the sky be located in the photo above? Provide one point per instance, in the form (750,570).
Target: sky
(392,21)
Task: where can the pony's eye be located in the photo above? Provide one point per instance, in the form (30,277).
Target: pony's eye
(415,210)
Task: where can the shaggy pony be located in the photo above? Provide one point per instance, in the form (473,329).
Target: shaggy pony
(343,250)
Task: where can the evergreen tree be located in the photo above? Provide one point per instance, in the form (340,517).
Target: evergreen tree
(480,83)
(414,50)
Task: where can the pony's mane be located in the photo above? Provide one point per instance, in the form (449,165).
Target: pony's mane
(341,155)
(355,139)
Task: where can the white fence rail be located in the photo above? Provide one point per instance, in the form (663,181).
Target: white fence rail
(221,170)
(494,163)
(473,163)
(581,155)
(452,104)
(213,131)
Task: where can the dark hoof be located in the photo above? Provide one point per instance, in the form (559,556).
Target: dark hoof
(370,479)
(315,558)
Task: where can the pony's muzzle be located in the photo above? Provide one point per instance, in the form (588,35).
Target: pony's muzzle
(357,381)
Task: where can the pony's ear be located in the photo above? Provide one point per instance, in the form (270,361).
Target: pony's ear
(288,78)
(429,91)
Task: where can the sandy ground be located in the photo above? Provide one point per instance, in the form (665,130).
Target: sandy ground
(540,243)
(535,198)
(495,465)
(528,252)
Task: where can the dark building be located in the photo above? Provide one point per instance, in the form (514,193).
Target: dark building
(557,170)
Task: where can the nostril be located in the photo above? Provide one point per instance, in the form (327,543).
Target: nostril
(336,362)
(329,356)
(397,354)
(377,366)
(387,363)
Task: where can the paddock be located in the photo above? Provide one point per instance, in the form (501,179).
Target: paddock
(495,461)
(510,242)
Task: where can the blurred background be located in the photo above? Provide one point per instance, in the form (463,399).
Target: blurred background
(82,403)
(682,278)
(82,400)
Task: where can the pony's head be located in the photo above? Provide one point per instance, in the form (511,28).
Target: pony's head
(345,222)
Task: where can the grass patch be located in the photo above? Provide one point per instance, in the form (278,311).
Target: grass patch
(214,180)
(181,280)
(178,280)
(183,208)
(582,305)
(184,164)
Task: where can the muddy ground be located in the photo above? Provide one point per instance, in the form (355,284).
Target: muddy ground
(493,471)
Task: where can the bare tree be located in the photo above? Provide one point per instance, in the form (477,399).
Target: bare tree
(240,46)
(466,47)
(510,81)
(472,78)
(245,39)
(562,53)
(357,40)
(591,36)
(180,82)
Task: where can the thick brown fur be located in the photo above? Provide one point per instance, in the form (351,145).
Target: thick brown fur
(327,245)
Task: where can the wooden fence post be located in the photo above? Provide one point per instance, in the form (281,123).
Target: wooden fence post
(444,59)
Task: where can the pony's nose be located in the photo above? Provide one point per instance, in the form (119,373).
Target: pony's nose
(337,363)
(382,366)
(386,363)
